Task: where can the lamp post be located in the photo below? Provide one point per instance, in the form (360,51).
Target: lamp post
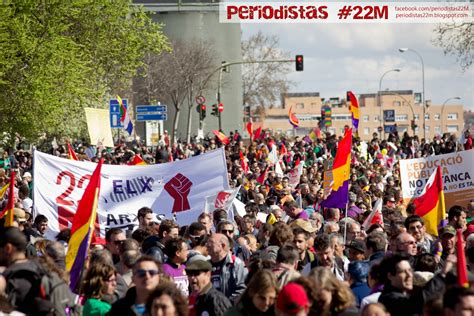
(442,110)
(423,99)
(379,100)
(408,103)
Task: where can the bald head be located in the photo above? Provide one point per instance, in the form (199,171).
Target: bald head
(218,247)
(406,244)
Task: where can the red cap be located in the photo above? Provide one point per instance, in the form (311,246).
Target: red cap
(292,299)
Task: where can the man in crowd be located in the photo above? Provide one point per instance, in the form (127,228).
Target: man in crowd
(204,298)
(415,226)
(294,211)
(457,217)
(114,238)
(145,217)
(300,239)
(177,251)
(228,272)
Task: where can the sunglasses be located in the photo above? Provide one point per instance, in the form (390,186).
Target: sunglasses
(119,242)
(141,273)
(227,231)
(194,272)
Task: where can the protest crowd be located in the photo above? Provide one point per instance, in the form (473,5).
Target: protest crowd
(288,253)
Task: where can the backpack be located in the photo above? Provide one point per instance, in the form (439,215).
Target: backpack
(34,291)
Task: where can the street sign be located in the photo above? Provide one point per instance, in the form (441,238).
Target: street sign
(200,99)
(114,112)
(151,117)
(151,108)
(389,115)
(151,113)
(390,128)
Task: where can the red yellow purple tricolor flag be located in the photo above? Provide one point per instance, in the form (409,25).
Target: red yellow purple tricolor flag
(8,210)
(70,152)
(293,119)
(83,228)
(430,204)
(340,173)
(354,109)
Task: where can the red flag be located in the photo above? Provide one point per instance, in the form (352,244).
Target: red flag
(375,217)
(8,211)
(70,152)
(262,176)
(461,264)
(283,150)
(243,163)
(250,129)
(221,136)
(297,162)
(256,133)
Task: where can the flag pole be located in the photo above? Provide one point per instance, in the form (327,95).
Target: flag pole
(345,224)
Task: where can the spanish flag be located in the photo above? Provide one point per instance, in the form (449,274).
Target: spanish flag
(70,152)
(221,136)
(82,228)
(430,204)
(293,119)
(341,168)
(353,108)
(8,210)
(137,161)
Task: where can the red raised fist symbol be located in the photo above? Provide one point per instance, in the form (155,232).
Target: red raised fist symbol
(178,187)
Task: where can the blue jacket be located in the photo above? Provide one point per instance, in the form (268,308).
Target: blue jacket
(360,291)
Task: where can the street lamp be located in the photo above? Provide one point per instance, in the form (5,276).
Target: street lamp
(378,97)
(402,50)
(408,103)
(442,110)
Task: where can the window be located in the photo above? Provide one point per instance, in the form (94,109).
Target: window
(396,103)
(366,118)
(376,118)
(417,117)
(452,116)
(427,116)
(401,118)
(437,117)
(299,105)
(453,128)
(427,128)
(366,131)
(437,129)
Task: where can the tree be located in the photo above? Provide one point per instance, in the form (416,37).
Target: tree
(456,39)
(263,83)
(176,76)
(59,56)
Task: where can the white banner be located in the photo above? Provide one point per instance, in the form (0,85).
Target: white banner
(179,187)
(458,176)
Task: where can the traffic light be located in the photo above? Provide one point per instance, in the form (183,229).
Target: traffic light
(220,107)
(413,125)
(299,62)
(202,112)
(215,110)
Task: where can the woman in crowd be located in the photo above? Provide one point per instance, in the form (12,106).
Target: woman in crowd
(166,300)
(100,280)
(259,297)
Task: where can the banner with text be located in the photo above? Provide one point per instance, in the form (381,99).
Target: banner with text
(179,187)
(458,176)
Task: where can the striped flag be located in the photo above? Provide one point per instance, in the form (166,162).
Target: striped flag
(221,136)
(125,116)
(70,152)
(375,217)
(137,161)
(430,204)
(353,108)
(83,228)
(340,173)
(8,210)
(293,119)
(3,190)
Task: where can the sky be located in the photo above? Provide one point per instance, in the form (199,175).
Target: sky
(341,57)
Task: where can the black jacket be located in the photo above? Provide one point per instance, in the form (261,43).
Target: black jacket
(399,304)
(124,306)
(213,302)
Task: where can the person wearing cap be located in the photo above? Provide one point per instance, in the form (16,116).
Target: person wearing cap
(357,250)
(448,243)
(203,297)
(300,239)
(292,300)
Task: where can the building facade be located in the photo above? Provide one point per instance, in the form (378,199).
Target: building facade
(401,110)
